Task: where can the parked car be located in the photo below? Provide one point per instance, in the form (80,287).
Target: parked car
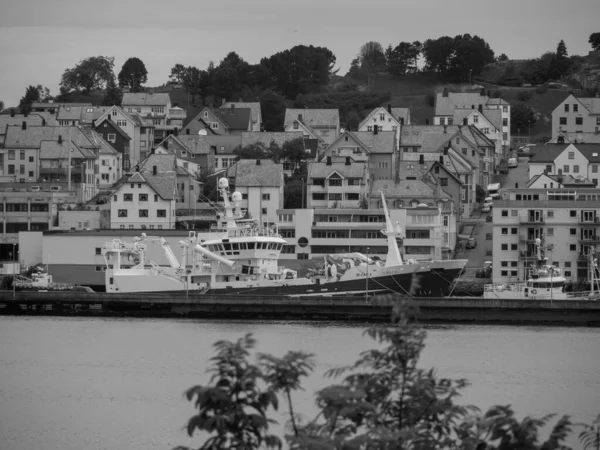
(471,243)
(513,162)
(487,209)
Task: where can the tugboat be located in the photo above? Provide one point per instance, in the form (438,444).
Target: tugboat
(544,282)
(244,261)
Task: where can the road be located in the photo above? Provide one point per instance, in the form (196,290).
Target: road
(483,230)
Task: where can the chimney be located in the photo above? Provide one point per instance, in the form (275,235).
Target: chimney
(390,108)
(482,92)
(466,121)
(12,113)
(375,129)
(426,121)
(480,108)
(445,93)
(441,160)
(154,170)
(328,160)
(60,139)
(43,122)
(446,149)
(347,160)
(232,109)
(421,158)
(401,120)
(258,162)
(472,106)
(299,117)
(24,126)
(187,131)
(176,131)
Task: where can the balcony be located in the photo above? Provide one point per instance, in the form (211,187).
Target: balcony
(595,220)
(589,239)
(529,239)
(532,220)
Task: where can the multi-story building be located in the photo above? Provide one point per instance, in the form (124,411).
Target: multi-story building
(223,148)
(192,152)
(343,183)
(322,124)
(31,207)
(567,159)
(157,110)
(261,184)
(30,120)
(137,127)
(229,121)
(146,200)
(567,222)
(447,102)
(61,158)
(69,115)
(577,118)
(389,119)
(116,136)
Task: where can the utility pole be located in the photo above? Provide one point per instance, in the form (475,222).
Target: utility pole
(69,160)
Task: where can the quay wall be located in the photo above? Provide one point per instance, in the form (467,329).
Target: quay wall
(442,310)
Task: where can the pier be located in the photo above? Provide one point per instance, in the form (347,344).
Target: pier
(375,309)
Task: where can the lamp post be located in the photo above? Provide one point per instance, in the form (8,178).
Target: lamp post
(367,280)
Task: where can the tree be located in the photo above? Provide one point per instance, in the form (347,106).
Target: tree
(560,63)
(32,95)
(192,79)
(371,57)
(502,57)
(402,59)
(384,401)
(133,74)
(521,116)
(352,120)
(272,106)
(590,436)
(561,50)
(595,41)
(90,74)
(114,95)
(438,53)
(252,151)
(1,105)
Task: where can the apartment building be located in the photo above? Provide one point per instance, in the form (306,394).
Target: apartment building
(567,222)
(577,118)
(337,184)
(567,160)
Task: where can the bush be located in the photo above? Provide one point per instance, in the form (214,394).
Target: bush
(524,96)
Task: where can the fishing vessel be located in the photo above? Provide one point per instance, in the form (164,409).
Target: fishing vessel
(545,282)
(244,260)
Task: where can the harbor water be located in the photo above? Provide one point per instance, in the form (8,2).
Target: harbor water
(95,384)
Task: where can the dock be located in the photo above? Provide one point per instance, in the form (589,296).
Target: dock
(375,309)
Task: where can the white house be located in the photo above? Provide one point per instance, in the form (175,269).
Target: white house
(567,159)
(145,201)
(337,184)
(389,119)
(578,118)
(157,109)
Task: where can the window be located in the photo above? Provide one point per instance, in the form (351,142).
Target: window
(572,213)
(11,154)
(505,213)
(505,122)
(382,165)
(504,246)
(573,247)
(514,246)
(475,118)
(504,273)
(444,181)
(505,109)
(111,137)
(22,155)
(122,213)
(22,169)
(567,273)
(214,125)
(382,117)
(143,197)
(127,197)
(161,213)
(571,155)
(442,121)
(504,230)
(266,196)
(505,136)
(445,221)
(566,107)
(578,120)
(562,121)
(115,198)
(550,231)
(514,231)
(566,169)
(121,123)
(594,168)
(264,211)
(143,213)
(576,169)
(98,251)
(550,214)
(155,197)
(31,159)
(31,174)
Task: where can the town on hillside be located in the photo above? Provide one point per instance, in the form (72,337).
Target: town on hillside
(460,183)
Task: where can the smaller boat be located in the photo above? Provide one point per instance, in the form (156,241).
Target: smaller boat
(545,282)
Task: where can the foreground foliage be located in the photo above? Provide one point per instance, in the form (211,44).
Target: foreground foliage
(383,401)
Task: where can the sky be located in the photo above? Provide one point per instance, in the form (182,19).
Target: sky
(39,39)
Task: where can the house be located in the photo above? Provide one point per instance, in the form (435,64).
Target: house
(192,152)
(229,121)
(279,138)
(222,154)
(337,184)
(447,102)
(52,107)
(577,118)
(56,156)
(138,128)
(115,136)
(322,124)
(546,181)
(565,221)
(157,110)
(256,114)
(373,147)
(261,184)
(389,119)
(488,122)
(145,200)
(108,161)
(567,159)
(430,231)
(31,119)
(69,115)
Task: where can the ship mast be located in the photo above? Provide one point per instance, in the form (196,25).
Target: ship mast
(393,256)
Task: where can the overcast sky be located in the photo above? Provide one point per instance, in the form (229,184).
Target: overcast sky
(39,39)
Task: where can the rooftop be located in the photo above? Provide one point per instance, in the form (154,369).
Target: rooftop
(324,170)
(144,99)
(248,173)
(313,117)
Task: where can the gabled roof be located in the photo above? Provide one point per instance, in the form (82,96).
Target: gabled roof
(382,142)
(253,106)
(590,151)
(37,105)
(196,144)
(412,135)
(587,138)
(306,128)
(54,150)
(445,106)
(235,118)
(496,101)
(33,136)
(32,119)
(548,153)
(564,180)
(144,99)
(224,144)
(494,116)
(592,104)
(315,118)
(408,189)
(324,170)
(84,114)
(476,136)
(164,184)
(104,148)
(116,128)
(164,163)
(247,173)
(396,114)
